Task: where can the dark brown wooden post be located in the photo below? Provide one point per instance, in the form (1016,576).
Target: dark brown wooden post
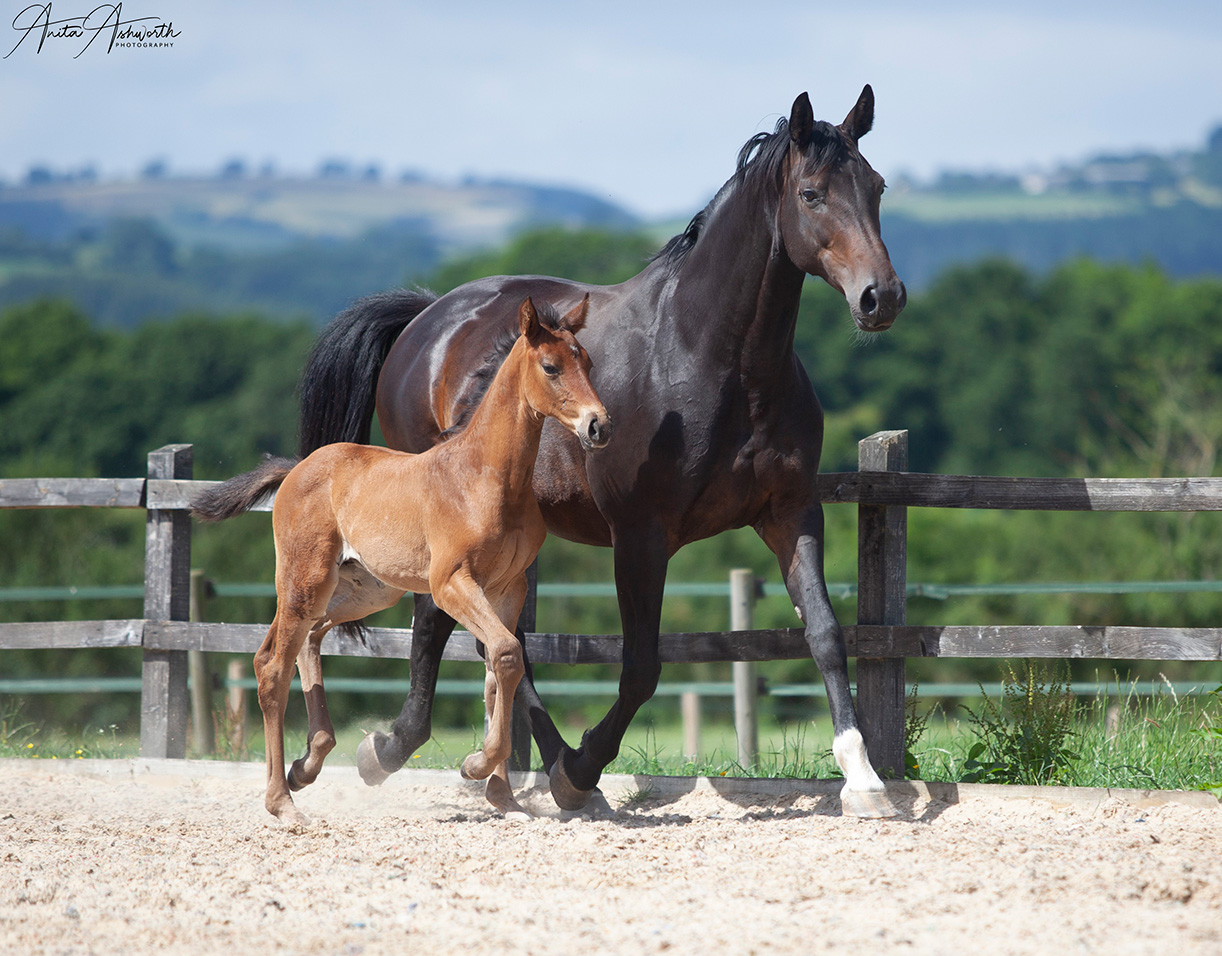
(882,578)
(519,727)
(167,590)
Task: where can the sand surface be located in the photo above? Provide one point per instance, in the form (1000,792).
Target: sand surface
(114,857)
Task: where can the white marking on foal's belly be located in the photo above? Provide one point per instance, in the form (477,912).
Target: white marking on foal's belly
(850,752)
(348,553)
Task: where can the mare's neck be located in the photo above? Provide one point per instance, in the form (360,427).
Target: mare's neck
(736,295)
(505,430)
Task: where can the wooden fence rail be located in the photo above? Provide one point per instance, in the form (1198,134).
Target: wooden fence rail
(881,641)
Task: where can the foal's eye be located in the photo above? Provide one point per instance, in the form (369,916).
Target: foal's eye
(550,370)
(810,196)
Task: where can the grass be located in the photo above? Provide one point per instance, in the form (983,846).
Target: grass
(1116,739)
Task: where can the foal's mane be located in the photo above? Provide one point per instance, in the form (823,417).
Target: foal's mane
(760,163)
(481,378)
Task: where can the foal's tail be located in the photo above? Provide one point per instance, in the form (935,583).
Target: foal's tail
(339,384)
(242,492)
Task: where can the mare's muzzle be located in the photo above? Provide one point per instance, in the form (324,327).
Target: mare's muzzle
(596,432)
(878,304)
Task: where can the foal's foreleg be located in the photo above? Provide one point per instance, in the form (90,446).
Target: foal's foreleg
(498,789)
(464,600)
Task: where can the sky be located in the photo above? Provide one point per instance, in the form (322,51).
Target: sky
(642,103)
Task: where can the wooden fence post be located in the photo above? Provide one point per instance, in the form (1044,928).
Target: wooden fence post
(200,673)
(689,711)
(167,587)
(746,723)
(235,707)
(519,727)
(882,578)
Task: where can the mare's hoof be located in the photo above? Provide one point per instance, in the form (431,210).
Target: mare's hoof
(367,763)
(294,785)
(567,796)
(867,804)
(597,808)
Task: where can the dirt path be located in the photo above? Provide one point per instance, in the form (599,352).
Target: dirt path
(125,856)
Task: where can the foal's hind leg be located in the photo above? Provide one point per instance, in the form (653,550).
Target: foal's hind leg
(274,673)
(320,736)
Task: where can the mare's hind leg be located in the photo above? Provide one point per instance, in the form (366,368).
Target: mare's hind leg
(379,755)
(641,558)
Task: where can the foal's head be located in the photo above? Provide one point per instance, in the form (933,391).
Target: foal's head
(556,380)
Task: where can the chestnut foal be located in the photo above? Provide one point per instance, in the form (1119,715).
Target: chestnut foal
(358,526)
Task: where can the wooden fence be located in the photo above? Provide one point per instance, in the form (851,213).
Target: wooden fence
(881,640)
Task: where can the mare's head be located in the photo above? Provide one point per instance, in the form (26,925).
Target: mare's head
(556,380)
(828,213)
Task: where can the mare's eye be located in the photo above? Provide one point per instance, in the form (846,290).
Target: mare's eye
(811,196)
(550,370)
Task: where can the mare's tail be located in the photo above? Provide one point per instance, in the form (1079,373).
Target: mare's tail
(339,384)
(243,492)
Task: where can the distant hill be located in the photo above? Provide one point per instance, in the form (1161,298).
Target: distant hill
(262,212)
(159,246)
(1117,208)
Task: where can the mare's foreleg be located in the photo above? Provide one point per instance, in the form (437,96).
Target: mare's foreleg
(640,579)
(798,545)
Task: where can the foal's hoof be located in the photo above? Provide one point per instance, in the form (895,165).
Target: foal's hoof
(567,796)
(476,766)
(367,763)
(867,804)
(288,814)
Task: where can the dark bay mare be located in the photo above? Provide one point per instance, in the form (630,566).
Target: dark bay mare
(717,425)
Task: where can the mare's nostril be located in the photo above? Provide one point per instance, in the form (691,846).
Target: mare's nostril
(869,301)
(598,432)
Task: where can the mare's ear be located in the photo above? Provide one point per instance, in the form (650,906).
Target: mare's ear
(528,319)
(861,117)
(801,121)
(575,319)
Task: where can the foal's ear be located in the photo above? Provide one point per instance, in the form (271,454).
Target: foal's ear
(528,319)
(575,319)
(801,121)
(861,117)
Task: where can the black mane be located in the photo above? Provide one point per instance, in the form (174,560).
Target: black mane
(760,160)
(481,379)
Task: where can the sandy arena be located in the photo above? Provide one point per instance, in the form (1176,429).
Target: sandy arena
(113,857)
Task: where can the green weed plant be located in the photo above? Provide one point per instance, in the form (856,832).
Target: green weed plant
(1026,738)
